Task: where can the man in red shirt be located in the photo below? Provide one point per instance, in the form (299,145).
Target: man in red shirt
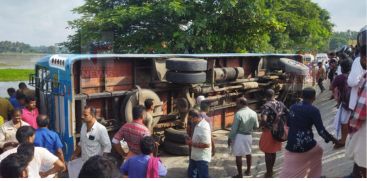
(132,133)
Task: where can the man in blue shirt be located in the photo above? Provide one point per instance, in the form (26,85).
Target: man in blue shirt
(12,98)
(48,139)
(138,166)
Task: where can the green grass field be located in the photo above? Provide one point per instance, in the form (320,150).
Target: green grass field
(15,74)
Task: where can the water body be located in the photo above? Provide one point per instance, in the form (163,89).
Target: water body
(16,61)
(19,61)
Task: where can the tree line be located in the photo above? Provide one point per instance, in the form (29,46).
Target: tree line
(19,47)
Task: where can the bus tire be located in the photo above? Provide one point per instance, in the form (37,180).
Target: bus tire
(131,100)
(294,67)
(175,135)
(186,78)
(186,64)
(175,148)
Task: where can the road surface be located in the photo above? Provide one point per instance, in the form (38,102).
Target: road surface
(335,165)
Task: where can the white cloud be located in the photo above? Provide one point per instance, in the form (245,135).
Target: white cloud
(36,22)
(346,14)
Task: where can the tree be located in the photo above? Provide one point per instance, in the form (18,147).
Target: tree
(200,26)
(339,39)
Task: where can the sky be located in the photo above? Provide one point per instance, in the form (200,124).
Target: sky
(44,22)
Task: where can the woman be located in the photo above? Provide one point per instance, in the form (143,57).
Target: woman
(303,155)
(267,143)
(30,112)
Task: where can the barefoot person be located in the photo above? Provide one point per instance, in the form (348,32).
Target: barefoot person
(245,121)
(303,156)
(267,143)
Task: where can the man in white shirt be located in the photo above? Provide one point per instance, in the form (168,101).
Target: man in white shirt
(44,162)
(356,77)
(200,147)
(94,139)
(356,142)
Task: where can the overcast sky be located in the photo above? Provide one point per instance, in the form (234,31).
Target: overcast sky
(44,22)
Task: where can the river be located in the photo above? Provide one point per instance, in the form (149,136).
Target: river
(16,61)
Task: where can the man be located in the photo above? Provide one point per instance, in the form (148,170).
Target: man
(30,112)
(200,147)
(132,133)
(199,99)
(140,166)
(25,90)
(14,166)
(48,139)
(204,109)
(148,121)
(268,144)
(99,167)
(43,163)
(12,98)
(341,91)
(320,76)
(303,156)
(5,108)
(21,98)
(356,141)
(9,129)
(245,121)
(94,139)
(332,69)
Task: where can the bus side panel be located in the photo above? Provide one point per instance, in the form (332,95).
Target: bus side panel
(119,75)
(233,62)
(216,116)
(91,75)
(105,75)
(229,116)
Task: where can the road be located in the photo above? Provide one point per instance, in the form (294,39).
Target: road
(335,165)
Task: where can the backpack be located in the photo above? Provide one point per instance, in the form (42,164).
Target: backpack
(278,129)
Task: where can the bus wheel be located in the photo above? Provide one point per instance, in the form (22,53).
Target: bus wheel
(137,98)
(186,64)
(186,78)
(175,135)
(175,148)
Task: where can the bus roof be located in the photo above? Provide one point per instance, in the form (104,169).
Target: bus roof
(62,60)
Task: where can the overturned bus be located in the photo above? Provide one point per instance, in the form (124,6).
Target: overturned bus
(114,83)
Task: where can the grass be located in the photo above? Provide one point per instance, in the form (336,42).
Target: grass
(7,75)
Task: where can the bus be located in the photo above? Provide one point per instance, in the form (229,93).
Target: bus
(114,83)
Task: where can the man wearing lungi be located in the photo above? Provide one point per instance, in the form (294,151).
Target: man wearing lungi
(245,121)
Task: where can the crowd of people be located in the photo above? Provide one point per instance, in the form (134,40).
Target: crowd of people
(30,149)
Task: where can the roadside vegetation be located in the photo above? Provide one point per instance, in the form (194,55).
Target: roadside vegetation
(7,75)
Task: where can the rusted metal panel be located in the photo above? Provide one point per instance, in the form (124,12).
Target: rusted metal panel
(105,75)
(143,77)
(233,62)
(119,75)
(229,116)
(216,116)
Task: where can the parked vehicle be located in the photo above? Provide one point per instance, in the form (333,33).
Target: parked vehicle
(114,83)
